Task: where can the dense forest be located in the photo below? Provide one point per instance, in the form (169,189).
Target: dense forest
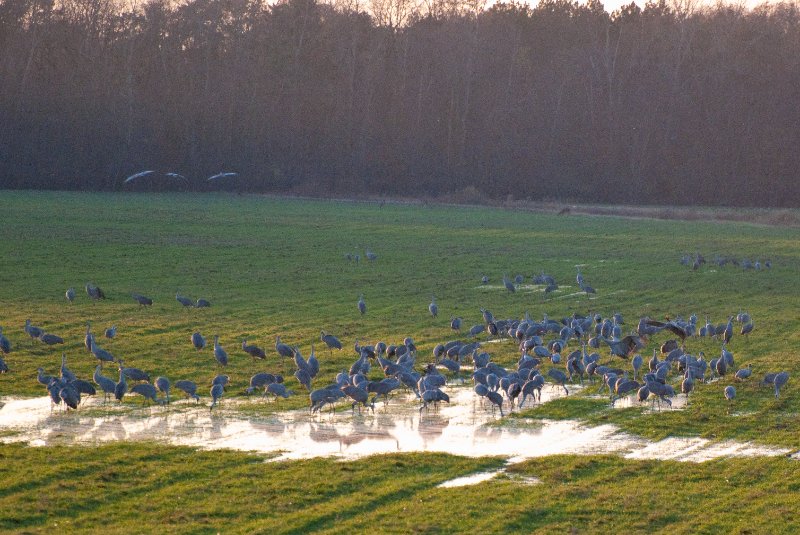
(666,104)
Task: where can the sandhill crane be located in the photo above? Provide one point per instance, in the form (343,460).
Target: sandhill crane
(100,354)
(216,394)
(253,350)
(70,294)
(331,341)
(496,400)
(111,332)
(780,379)
(188,387)
(260,380)
(33,331)
(730,393)
(220,354)
(743,373)
(134,374)
(185,301)
(433,308)
(106,385)
(66,374)
(51,339)
(278,390)
(198,341)
(142,300)
(94,292)
(283,350)
(70,396)
(5,343)
(147,391)
(508,284)
(202,303)
(163,386)
(358,395)
(455,324)
(362,306)
(121,388)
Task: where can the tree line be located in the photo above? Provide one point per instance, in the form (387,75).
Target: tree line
(666,104)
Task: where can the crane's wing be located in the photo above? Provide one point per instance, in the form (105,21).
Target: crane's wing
(222,175)
(138,175)
(175,175)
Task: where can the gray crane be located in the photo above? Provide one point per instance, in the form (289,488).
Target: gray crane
(260,380)
(51,339)
(278,390)
(330,340)
(433,308)
(106,385)
(70,396)
(66,374)
(326,395)
(142,300)
(642,394)
(559,378)
(5,343)
(496,400)
(42,378)
(508,284)
(303,378)
(283,350)
(313,363)
(743,373)
(625,347)
(202,303)
(147,391)
(730,393)
(33,331)
(636,363)
(94,292)
(531,387)
(70,294)
(485,279)
(188,387)
(383,387)
(87,340)
(362,306)
(185,301)
(163,385)
(111,332)
(358,395)
(134,374)
(3,366)
(220,354)
(727,334)
(253,350)
(747,328)
(624,387)
(100,354)
(432,395)
(455,324)
(216,394)
(198,341)
(121,388)
(221,379)
(780,379)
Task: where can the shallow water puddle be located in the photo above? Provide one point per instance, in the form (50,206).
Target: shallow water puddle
(472,479)
(457,428)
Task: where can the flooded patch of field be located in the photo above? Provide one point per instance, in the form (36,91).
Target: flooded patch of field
(457,428)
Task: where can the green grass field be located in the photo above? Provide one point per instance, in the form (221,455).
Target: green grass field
(276,267)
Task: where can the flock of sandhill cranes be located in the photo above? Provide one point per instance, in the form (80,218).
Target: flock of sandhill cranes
(498,385)
(697,260)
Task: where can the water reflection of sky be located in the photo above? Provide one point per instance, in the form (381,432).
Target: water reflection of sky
(458,428)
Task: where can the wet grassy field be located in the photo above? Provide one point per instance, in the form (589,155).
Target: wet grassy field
(138,487)
(277,267)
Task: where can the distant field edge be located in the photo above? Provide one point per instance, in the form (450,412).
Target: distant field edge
(775,217)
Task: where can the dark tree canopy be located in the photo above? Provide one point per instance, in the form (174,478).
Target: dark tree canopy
(562,101)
